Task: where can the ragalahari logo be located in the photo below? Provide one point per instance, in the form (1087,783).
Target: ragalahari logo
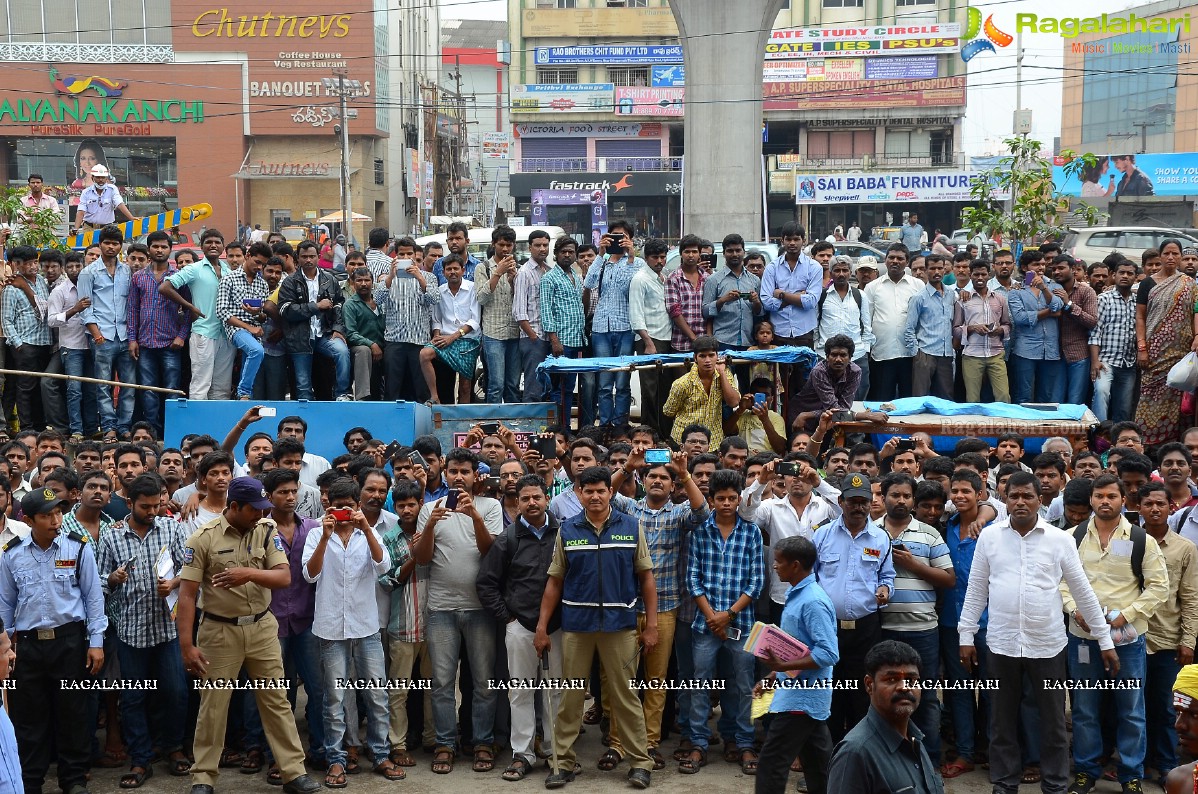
(981,38)
(74,86)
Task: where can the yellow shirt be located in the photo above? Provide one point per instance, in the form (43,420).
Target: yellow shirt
(751,429)
(689,404)
(1110,574)
(216,546)
(1175,622)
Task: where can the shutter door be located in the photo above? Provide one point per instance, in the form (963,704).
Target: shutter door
(553,154)
(630,154)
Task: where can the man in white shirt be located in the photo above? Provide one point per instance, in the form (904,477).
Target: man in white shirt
(64,311)
(100,202)
(344,560)
(314,465)
(456,323)
(889,298)
(1018,565)
(854,233)
(526,310)
(844,309)
(652,327)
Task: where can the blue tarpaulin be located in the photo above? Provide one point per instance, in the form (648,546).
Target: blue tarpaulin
(908,406)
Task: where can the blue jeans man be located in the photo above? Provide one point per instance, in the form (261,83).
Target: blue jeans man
(328,347)
(361,658)
(1114,391)
(615,392)
(158,366)
(1038,380)
(446,631)
(163,664)
(737,697)
(251,359)
(564,383)
(1085,664)
(81,402)
(502,359)
(1075,381)
(113,357)
(532,353)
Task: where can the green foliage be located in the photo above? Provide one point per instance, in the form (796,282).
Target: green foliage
(36,227)
(1035,208)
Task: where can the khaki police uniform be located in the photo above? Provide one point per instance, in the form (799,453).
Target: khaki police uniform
(236,630)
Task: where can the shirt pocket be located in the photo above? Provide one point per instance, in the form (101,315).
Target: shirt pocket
(1042,587)
(64,582)
(829,566)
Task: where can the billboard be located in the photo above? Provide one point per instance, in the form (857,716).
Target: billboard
(907,67)
(542,200)
(1130,176)
(562,98)
(926,39)
(496,145)
(609,54)
(668,76)
(868,188)
(598,129)
(850,94)
(813,69)
(632,101)
(617,184)
(598,22)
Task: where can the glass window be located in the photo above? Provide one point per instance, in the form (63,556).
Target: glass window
(844,3)
(1124,86)
(628,75)
(139,22)
(557,75)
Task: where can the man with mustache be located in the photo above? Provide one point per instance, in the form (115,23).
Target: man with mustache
(1184,779)
(885,752)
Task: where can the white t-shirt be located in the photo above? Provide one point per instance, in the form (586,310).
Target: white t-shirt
(454,568)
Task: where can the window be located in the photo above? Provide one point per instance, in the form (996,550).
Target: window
(915,2)
(378,172)
(557,76)
(908,144)
(555,3)
(1128,85)
(844,3)
(628,75)
(839,144)
(1103,240)
(627,3)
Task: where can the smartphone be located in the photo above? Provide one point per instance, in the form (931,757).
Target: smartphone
(401,268)
(657,456)
(451,500)
(492,483)
(490,428)
(746,296)
(1029,277)
(253,303)
(732,632)
(788,468)
(391,449)
(1133,516)
(898,545)
(906,445)
(129,564)
(418,460)
(710,259)
(267,410)
(616,248)
(341,513)
(546,446)
(760,398)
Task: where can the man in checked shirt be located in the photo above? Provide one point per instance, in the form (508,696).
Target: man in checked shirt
(981,324)
(239,304)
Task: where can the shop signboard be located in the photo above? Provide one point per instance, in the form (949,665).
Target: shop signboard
(584,23)
(599,129)
(562,98)
(881,187)
(640,101)
(1130,176)
(851,94)
(864,40)
(609,54)
(596,199)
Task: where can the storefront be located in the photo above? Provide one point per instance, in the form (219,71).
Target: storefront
(650,200)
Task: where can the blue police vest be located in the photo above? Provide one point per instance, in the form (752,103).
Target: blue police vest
(600,590)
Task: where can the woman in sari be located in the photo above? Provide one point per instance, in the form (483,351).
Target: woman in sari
(1165,332)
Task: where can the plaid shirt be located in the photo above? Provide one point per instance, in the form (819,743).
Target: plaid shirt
(562,312)
(724,570)
(154,321)
(686,301)
(665,531)
(612,280)
(23,323)
(409,600)
(495,304)
(689,404)
(141,616)
(230,297)
(1078,321)
(408,310)
(1115,332)
(975,310)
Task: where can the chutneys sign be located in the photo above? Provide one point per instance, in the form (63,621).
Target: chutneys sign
(219,22)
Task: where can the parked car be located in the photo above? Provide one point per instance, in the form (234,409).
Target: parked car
(1093,244)
(854,251)
(771,251)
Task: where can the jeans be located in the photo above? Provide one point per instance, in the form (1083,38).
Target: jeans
(445,632)
(301,657)
(327,347)
(158,366)
(1035,380)
(110,356)
(1076,375)
(252,355)
(1129,704)
(272,379)
(532,353)
(863,387)
(927,716)
(967,707)
(588,396)
(615,393)
(502,358)
(81,402)
(363,657)
(30,358)
(563,385)
(54,395)
(1113,393)
(163,664)
(705,648)
(684,654)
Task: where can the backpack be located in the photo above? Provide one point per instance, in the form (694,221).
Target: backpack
(1139,539)
(856,293)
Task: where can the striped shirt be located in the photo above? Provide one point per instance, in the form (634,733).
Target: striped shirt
(142,618)
(973,309)
(234,290)
(496,304)
(562,311)
(407,309)
(378,263)
(686,301)
(25,324)
(409,599)
(1115,333)
(913,603)
(154,321)
(665,530)
(526,298)
(723,570)
(612,279)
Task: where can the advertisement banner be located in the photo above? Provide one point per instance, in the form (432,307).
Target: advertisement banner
(1130,176)
(598,22)
(883,187)
(864,40)
(632,101)
(428,186)
(414,180)
(609,54)
(669,76)
(603,129)
(562,98)
(542,200)
(617,184)
(908,67)
(496,145)
(849,94)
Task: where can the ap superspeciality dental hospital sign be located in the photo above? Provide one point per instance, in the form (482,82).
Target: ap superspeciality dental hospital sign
(878,187)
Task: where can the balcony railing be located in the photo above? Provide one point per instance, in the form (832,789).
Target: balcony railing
(869,161)
(581,165)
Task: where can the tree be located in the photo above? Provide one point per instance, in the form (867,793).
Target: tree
(1035,207)
(36,227)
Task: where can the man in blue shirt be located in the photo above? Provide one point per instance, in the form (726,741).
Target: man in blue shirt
(10,763)
(1034,369)
(106,283)
(911,235)
(790,289)
(929,333)
(800,711)
(856,569)
(457,238)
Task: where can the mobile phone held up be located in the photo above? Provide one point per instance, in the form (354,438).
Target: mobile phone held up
(341,513)
(657,457)
(451,500)
(546,446)
(905,445)
(617,244)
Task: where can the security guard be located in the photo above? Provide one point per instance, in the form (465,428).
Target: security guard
(235,561)
(100,202)
(51,601)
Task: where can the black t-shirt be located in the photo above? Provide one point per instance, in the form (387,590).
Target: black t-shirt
(1142,291)
(117,508)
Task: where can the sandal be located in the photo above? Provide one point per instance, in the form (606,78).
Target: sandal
(659,761)
(692,764)
(274,775)
(111,759)
(796,765)
(955,768)
(591,716)
(516,770)
(1031,775)
(748,765)
(731,753)
(388,770)
(609,760)
(134,779)
(253,762)
(401,757)
(351,761)
(484,758)
(335,779)
(684,749)
(180,766)
(230,759)
(443,760)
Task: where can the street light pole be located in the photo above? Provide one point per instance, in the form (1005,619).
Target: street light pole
(343,89)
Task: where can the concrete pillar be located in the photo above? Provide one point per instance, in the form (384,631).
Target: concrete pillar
(723,47)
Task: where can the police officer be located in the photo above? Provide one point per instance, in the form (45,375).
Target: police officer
(100,202)
(51,601)
(235,561)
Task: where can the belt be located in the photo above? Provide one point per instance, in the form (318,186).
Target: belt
(56,633)
(244,620)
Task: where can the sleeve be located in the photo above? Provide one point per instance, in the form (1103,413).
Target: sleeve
(310,544)
(179,279)
(224,300)
(520,296)
(977,593)
(56,311)
(493,518)
(820,621)
(8,593)
(851,770)
(867,321)
(1087,603)
(133,311)
(117,198)
(673,295)
(1188,591)
(636,305)
(383,565)
(959,322)
(674,402)
(1156,584)
(1085,308)
(353,334)
(548,303)
(939,556)
(750,501)
(557,566)
(104,561)
(1021,314)
(756,578)
(1144,290)
(694,582)
(482,283)
(1005,319)
(914,306)
(886,571)
(592,278)
(769,283)
(642,561)
(710,297)
(93,597)
(815,288)
(195,558)
(489,583)
(83,286)
(274,555)
(8,315)
(293,300)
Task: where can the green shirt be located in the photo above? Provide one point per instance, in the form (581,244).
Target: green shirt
(363,326)
(204,282)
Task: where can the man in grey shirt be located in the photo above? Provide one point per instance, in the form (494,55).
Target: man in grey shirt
(912,234)
(731,298)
